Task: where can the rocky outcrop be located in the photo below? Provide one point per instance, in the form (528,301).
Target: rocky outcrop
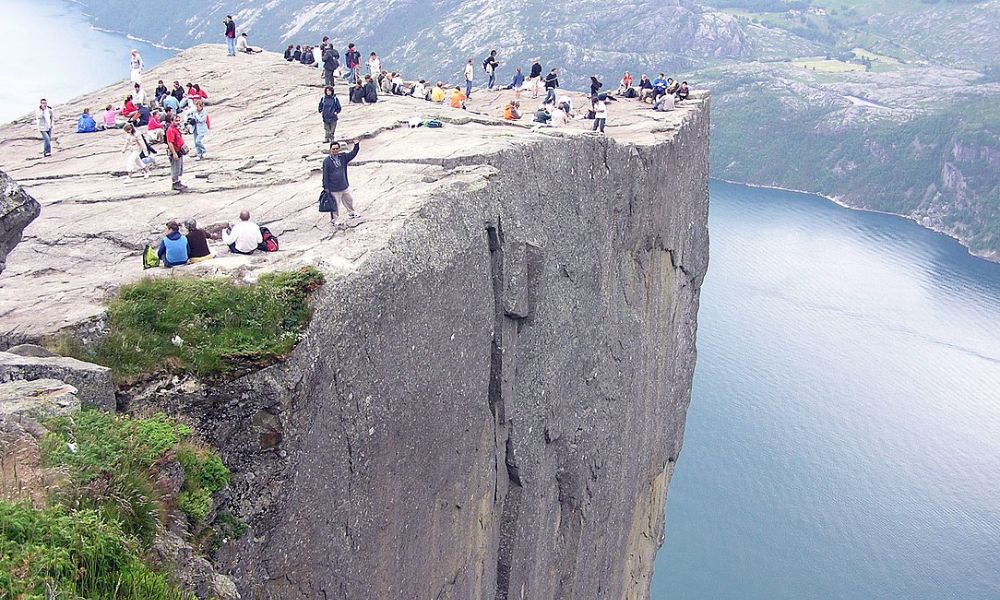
(91,383)
(490,397)
(17,210)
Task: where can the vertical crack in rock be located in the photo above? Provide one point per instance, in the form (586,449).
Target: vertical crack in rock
(506,492)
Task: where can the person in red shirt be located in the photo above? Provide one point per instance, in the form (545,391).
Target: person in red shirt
(155,128)
(175,144)
(129,110)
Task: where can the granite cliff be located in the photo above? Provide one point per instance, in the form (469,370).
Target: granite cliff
(491,395)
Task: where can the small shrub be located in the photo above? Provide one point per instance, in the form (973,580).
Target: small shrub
(196,504)
(204,475)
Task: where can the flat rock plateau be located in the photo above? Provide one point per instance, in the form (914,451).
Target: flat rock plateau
(490,398)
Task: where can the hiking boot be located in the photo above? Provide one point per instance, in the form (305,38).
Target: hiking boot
(179,187)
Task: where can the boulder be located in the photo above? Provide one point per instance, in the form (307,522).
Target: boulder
(38,399)
(93,384)
(17,210)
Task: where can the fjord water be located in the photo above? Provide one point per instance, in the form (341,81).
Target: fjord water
(844,437)
(48,49)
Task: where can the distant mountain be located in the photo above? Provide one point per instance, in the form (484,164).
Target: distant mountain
(885,104)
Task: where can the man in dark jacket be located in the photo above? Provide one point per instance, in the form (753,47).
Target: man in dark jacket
(551,83)
(535,77)
(230,35)
(353,59)
(331,62)
(335,180)
(371,90)
(329,107)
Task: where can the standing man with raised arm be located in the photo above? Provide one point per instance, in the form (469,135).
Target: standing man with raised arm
(43,122)
(335,180)
(230,35)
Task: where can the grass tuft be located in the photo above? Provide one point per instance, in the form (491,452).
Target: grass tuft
(203,326)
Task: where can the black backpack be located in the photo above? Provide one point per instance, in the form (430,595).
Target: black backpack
(630,93)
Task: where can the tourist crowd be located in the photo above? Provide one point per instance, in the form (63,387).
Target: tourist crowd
(167,114)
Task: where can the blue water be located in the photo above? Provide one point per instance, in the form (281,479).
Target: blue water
(844,436)
(48,49)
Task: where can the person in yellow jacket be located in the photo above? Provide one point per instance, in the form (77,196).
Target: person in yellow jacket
(438,94)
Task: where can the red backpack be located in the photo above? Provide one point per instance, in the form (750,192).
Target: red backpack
(270,243)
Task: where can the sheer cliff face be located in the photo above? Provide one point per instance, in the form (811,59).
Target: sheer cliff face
(17,210)
(492,392)
(491,408)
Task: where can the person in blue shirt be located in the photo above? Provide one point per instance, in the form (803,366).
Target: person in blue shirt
(659,86)
(86,123)
(517,84)
(335,180)
(173,249)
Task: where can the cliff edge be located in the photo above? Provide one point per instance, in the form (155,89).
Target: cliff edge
(491,395)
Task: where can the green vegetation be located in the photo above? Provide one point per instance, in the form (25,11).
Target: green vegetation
(61,553)
(90,541)
(204,475)
(204,326)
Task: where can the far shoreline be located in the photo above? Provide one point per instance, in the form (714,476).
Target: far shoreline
(839,202)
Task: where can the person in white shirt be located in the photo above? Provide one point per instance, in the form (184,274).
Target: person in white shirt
(419,90)
(139,97)
(469,72)
(244,237)
(43,122)
(137,66)
(374,66)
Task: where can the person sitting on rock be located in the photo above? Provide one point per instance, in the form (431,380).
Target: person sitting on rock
(170,103)
(129,110)
(110,117)
(173,250)
(289,52)
(419,90)
(335,180)
(139,95)
(438,94)
(457,98)
(397,84)
(244,237)
(297,54)
(659,86)
(645,87)
(177,92)
(664,103)
(198,249)
(86,123)
(625,84)
(308,58)
(155,128)
(672,86)
(142,116)
(542,115)
(243,45)
(512,112)
(160,91)
(683,91)
(358,93)
(371,90)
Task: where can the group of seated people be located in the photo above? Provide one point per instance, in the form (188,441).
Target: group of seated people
(661,92)
(301,54)
(243,237)
(137,110)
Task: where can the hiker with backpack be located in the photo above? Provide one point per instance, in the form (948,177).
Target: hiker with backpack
(490,65)
(329,108)
(331,62)
(335,182)
(244,237)
(173,250)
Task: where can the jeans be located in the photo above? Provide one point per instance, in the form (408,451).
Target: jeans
(331,129)
(468,89)
(176,168)
(550,96)
(199,144)
(231,46)
(355,74)
(493,80)
(329,77)
(47,142)
(599,124)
